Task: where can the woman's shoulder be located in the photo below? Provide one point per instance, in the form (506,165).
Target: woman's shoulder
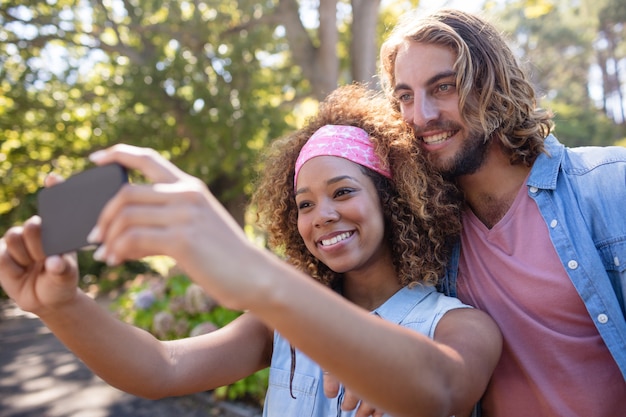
(418,307)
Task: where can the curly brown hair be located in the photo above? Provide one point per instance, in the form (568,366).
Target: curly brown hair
(495,95)
(421,210)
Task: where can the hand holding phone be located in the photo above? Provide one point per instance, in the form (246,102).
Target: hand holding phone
(70,210)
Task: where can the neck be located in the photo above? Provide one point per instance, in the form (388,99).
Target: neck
(491,190)
(371,288)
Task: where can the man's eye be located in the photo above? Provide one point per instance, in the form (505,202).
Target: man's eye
(446,87)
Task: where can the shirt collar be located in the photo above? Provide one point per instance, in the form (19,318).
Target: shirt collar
(402,303)
(545,170)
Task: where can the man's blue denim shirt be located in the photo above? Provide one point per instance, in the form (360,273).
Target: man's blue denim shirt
(581,194)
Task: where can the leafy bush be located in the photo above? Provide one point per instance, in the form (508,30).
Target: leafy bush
(174,308)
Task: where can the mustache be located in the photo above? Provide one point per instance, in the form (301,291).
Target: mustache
(436,125)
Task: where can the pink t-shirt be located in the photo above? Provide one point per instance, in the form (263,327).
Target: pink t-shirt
(554,362)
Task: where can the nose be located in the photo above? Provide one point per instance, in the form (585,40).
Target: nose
(326,213)
(424,111)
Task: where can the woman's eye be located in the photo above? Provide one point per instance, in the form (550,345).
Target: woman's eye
(343,191)
(304,205)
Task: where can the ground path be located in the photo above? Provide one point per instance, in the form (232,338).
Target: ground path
(39,377)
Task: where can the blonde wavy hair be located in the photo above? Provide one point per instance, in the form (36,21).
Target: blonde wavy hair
(495,96)
(421,210)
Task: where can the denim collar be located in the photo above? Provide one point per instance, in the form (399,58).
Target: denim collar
(396,308)
(545,170)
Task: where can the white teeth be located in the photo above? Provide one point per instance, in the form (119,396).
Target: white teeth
(338,238)
(437,138)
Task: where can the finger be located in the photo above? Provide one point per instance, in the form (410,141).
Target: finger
(112,209)
(8,265)
(350,401)
(366,410)
(129,228)
(32,238)
(145,160)
(136,243)
(331,385)
(14,248)
(139,230)
(23,243)
(157,204)
(52,179)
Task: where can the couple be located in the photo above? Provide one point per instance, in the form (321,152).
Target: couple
(539,251)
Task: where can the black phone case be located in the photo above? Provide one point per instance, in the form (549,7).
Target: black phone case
(70,210)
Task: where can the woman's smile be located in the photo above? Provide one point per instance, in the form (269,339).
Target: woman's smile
(331,241)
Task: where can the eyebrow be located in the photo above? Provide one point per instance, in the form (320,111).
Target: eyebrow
(329,182)
(432,80)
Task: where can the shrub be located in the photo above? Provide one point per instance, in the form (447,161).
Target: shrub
(174,308)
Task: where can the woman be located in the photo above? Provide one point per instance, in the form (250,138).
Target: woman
(334,214)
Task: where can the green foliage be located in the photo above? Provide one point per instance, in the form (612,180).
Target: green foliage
(99,278)
(575,126)
(564,46)
(77,76)
(175,308)
(251,388)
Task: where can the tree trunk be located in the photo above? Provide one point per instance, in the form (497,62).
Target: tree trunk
(320,64)
(326,77)
(363,48)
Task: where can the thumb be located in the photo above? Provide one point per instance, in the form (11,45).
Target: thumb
(60,264)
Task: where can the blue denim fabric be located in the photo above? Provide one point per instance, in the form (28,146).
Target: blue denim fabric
(418,308)
(581,194)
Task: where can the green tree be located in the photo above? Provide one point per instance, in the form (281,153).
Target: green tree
(82,75)
(207,83)
(563,44)
(611,56)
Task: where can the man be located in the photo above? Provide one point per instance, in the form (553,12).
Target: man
(543,247)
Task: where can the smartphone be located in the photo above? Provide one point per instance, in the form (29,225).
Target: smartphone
(69,210)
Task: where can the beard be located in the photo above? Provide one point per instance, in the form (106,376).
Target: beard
(466,161)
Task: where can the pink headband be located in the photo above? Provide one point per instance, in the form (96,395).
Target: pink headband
(349,142)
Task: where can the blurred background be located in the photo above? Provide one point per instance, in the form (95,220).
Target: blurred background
(210,83)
